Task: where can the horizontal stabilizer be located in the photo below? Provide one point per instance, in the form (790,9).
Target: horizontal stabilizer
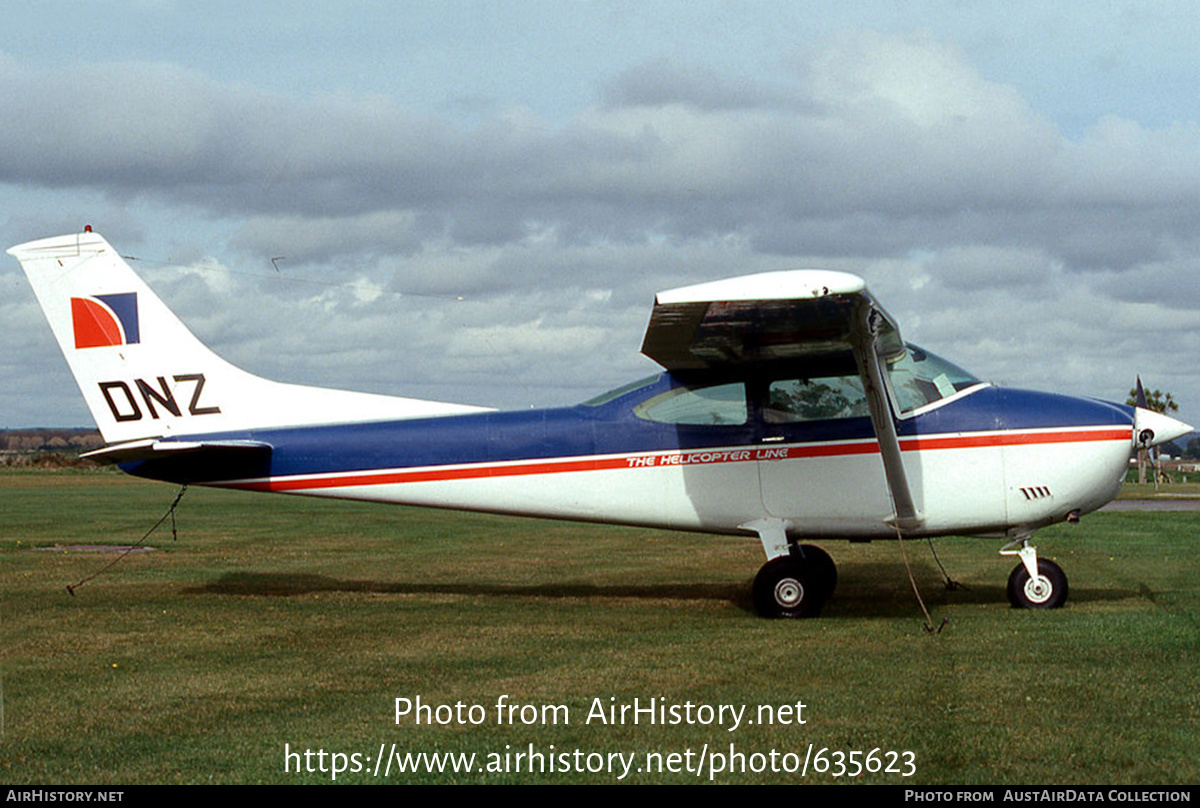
(158,449)
(188,461)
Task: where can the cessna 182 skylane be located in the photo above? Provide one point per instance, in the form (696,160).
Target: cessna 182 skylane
(790,409)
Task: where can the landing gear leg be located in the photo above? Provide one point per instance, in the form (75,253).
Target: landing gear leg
(1035,583)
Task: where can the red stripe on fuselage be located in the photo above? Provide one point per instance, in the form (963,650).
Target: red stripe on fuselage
(760,452)
(436,474)
(1013,439)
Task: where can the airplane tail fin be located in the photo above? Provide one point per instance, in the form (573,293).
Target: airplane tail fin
(145,375)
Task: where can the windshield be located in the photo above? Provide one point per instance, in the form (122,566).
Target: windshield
(920,378)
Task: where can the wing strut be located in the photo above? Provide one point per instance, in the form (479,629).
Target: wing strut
(868,345)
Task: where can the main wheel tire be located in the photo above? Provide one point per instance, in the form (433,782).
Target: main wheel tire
(786,587)
(1048,591)
(823,569)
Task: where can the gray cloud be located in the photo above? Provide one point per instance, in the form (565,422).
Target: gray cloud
(661,82)
(898,141)
(988,231)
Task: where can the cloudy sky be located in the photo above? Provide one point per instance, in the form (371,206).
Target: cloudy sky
(476,201)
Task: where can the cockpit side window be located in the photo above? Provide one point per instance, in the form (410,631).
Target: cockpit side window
(716,405)
(818,399)
(920,378)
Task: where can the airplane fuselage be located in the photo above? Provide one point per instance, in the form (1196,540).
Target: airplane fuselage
(986,460)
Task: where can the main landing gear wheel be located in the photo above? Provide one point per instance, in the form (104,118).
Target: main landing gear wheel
(822,566)
(787,587)
(1047,591)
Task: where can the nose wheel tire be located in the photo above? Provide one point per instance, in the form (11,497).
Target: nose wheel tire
(787,587)
(1047,591)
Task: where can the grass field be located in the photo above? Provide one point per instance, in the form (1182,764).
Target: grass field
(276,621)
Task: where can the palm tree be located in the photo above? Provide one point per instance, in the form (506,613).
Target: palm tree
(1155,400)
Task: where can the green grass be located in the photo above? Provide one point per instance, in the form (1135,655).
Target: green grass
(276,620)
(1135,490)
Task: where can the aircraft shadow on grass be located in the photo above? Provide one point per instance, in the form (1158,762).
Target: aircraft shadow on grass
(858,594)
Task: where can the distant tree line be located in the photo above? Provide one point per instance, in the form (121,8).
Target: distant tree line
(1191,451)
(53,448)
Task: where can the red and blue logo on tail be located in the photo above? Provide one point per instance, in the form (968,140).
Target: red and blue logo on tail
(104,320)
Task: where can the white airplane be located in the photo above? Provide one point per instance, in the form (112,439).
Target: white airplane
(790,410)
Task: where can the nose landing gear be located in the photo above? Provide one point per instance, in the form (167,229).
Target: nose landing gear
(1036,583)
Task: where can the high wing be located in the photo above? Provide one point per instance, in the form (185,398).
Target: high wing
(807,319)
(798,316)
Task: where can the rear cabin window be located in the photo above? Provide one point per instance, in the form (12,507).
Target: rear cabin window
(617,392)
(718,405)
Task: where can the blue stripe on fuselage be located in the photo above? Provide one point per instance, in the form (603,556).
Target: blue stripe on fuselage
(610,428)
